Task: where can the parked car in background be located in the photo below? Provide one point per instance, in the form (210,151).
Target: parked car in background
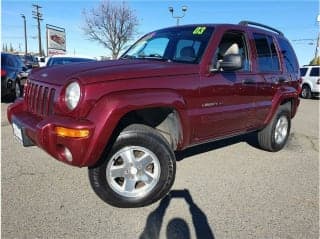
(30,61)
(65,59)
(42,61)
(13,75)
(310,81)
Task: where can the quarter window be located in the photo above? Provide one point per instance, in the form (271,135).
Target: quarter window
(288,56)
(268,59)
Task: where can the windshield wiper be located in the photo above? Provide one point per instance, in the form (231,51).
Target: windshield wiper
(153,57)
(128,57)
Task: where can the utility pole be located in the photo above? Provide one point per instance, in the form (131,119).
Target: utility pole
(38,16)
(317,52)
(25,34)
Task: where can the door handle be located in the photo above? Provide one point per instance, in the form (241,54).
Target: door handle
(248,82)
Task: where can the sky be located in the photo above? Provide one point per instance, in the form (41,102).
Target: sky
(297,19)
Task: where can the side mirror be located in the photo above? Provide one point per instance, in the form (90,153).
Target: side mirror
(231,62)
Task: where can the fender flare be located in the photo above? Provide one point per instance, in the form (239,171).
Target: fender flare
(281,97)
(110,109)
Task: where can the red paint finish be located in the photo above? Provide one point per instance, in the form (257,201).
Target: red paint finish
(210,104)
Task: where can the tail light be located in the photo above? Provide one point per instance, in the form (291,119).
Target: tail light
(3,73)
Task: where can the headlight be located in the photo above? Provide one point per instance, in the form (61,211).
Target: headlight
(72,95)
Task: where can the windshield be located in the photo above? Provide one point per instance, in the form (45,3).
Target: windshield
(181,44)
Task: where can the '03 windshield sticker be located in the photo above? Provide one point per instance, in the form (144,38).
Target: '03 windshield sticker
(199,30)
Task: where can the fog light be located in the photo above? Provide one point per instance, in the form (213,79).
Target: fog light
(67,154)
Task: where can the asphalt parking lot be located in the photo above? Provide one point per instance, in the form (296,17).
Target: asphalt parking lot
(228,189)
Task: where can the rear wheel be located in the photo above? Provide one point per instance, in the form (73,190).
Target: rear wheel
(275,135)
(138,170)
(306,92)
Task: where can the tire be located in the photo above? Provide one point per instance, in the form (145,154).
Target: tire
(275,135)
(306,92)
(138,170)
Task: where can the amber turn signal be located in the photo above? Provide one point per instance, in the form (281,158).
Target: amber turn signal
(73,133)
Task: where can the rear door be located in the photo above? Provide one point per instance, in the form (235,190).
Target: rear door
(269,72)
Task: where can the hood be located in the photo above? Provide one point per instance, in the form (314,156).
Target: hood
(91,72)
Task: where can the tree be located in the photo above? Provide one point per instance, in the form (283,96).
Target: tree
(11,48)
(315,61)
(111,24)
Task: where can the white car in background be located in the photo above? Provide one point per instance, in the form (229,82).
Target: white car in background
(310,81)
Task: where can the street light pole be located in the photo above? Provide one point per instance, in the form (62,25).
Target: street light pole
(25,34)
(317,52)
(183,9)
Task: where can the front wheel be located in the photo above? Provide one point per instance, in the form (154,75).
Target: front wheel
(275,135)
(138,170)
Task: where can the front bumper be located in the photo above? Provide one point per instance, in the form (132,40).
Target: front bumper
(41,132)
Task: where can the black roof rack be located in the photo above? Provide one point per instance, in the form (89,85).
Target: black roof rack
(246,23)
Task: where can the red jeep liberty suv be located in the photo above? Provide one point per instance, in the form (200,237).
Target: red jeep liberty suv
(174,88)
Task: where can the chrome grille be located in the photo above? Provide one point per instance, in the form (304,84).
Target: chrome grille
(40,99)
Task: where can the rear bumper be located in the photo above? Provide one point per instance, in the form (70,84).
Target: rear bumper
(41,132)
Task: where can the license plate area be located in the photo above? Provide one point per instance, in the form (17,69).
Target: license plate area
(17,132)
(20,135)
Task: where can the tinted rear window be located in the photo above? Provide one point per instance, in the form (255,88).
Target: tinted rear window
(288,56)
(303,71)
(315,71)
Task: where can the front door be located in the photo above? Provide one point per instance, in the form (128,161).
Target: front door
(227,98)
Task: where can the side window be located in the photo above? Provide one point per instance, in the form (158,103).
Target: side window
(315,71)
(232,43)
(274,55)
(303,71)
(268,59)
(289,56)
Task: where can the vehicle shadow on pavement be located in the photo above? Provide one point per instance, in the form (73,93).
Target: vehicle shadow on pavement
(250,139)
(177,228)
